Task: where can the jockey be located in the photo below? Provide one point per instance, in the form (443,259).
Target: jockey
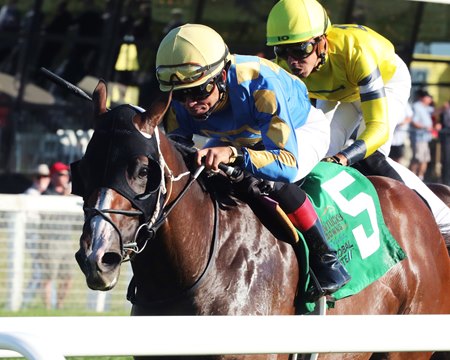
(358,81)
(251,106)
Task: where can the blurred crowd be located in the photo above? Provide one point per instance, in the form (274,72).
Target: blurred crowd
(417,140)
(50,252)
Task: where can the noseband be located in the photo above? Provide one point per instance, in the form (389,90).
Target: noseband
(90,213)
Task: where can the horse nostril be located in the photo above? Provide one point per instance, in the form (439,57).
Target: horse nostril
(111,258)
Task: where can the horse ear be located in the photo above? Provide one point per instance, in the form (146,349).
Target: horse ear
(159,107)
(153,117)
(99,98)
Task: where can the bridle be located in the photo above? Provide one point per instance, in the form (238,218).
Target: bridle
(151,225)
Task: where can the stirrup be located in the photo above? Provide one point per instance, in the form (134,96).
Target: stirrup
(314,291)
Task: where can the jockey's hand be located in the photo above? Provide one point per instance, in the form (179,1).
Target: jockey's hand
(339,159)
(254,186)
(266,186)
(212,157)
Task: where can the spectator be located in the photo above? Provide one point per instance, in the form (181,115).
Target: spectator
(444,115)
(59,255)
(59,180)
(34,244)
(444,141)
(397,151)
(41,180)
(421,128)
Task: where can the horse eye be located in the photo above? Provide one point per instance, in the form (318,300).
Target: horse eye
(143,171)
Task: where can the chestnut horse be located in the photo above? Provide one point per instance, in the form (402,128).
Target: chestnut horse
(442,191)
(191,256)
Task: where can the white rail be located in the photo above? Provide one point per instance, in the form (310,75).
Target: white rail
(28,345)
(202,335)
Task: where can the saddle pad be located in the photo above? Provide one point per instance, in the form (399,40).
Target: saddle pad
(349,208)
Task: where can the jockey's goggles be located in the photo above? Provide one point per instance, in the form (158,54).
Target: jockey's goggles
(298,51)
(186,73)
(200,92)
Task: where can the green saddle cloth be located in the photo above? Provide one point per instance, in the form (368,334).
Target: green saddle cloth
(349,209)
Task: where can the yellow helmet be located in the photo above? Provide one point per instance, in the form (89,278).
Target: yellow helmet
(293,21)
(189,56)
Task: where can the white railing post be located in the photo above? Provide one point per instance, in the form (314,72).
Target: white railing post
(16,244)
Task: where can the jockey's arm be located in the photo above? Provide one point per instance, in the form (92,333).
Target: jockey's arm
(273,156)
(375,117)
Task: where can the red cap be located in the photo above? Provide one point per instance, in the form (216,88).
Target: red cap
(58,167)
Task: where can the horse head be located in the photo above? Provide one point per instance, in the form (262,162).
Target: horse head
(121,181)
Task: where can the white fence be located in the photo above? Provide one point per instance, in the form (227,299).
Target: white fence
(38,239)
(204,335)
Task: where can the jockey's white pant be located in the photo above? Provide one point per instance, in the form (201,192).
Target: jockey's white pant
(347,117)
(313,140)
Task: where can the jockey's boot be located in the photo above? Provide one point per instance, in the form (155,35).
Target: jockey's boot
(328,274)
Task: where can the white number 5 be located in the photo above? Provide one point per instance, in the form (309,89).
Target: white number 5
(361,202)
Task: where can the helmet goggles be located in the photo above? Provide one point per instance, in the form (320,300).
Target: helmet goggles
(195,93)
(187,73)
(298,51)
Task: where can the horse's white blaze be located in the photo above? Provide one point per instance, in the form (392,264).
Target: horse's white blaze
(101,229)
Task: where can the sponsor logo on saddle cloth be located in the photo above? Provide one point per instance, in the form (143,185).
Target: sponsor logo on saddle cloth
(349,209)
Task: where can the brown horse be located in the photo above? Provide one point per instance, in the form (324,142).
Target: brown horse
(192,256)
(442,191)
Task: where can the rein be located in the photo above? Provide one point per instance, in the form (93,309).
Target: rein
(152,229)
(131,293)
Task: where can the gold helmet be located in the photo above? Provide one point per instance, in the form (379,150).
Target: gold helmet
(294,21)
(189,56)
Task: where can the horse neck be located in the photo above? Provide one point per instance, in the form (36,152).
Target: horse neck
(188,231)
